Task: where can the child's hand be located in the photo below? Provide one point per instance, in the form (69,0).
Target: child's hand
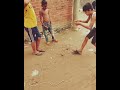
(46,27)
(77,23)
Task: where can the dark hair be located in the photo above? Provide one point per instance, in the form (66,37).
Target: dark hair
(87,7)
(44,2)
(94,4)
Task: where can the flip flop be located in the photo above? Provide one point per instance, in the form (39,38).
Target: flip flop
(41,50)
(37,54)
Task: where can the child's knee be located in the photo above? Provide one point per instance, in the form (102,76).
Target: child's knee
(86,38)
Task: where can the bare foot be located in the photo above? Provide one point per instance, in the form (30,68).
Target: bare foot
(48,43)
(37,53)
(54,40)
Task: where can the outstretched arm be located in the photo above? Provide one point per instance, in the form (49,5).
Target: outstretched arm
(86,21)
(90,25)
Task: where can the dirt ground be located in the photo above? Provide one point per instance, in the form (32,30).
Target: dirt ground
(58,68)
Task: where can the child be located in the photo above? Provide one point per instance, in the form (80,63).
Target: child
(30,25)
(94,5)
(88,9)
(46,22)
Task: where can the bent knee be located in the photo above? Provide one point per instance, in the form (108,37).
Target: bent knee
(86,38)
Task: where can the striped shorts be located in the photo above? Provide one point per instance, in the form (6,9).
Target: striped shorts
(33,33)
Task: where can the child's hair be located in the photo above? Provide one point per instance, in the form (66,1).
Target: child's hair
(94,4)
(87,7)
(44,2)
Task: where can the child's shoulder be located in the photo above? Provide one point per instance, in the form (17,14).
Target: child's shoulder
(47,9)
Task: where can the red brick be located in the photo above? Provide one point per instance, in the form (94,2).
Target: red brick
(60,10)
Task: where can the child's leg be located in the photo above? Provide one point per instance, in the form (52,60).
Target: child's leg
(38,43)
(94,40)
(37,37)
(84,43)
(33,45)
(33,42)
(51,32)
(90,35)
(45,34)
(82,47)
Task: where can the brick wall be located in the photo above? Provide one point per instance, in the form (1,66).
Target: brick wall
(60,12)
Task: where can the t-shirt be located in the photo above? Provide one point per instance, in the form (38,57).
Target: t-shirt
(30,19)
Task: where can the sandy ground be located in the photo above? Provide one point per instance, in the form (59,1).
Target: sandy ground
(58,68)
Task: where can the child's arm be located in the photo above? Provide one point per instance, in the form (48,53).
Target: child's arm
(41,19)
(49,16)
(84,21)
(90,25)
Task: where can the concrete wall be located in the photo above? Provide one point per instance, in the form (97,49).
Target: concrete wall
(83,2)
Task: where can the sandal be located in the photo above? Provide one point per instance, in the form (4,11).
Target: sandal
(37,54)
(41,50)
(54,41)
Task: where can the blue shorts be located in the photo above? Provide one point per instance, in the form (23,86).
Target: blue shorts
(33,33)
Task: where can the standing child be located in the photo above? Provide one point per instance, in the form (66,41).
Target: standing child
(30,25)
(46,22)
(88,9)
